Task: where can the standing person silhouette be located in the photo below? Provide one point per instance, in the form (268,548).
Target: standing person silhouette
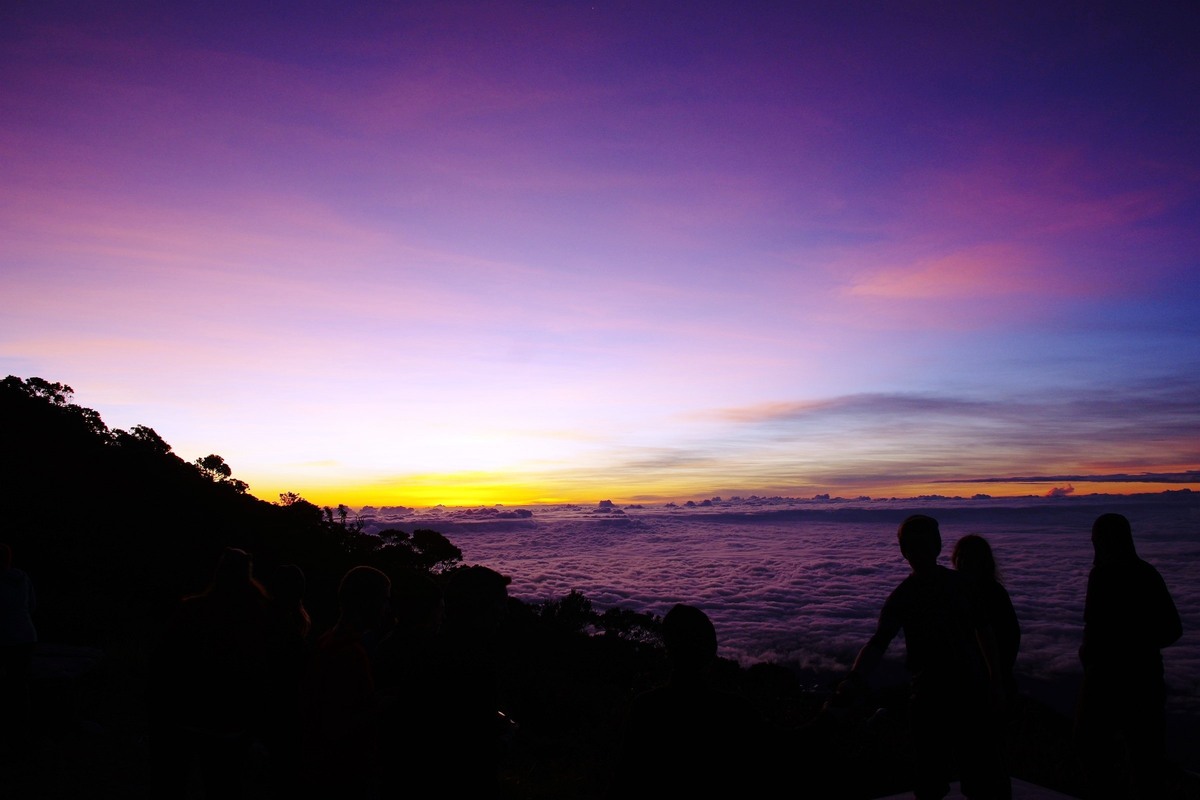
(974,560)
(289,651)
(212,676)
(407,668)
(341,705)
(950,659)
(1129,616)
(469,725)
(689,738)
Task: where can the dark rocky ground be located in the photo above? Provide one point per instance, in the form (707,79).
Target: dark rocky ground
(89,738)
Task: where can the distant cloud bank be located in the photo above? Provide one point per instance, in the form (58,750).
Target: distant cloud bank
(1190,476)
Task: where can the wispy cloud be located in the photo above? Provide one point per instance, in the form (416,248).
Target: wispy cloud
(1189,476)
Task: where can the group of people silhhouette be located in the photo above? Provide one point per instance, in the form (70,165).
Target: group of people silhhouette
(403,690)
(961,636)
(400,692)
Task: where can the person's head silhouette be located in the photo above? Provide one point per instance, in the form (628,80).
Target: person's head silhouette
(234,571)
(691,640)
(920,541)
(1112,539)
(476,601)
(973,557)
(363,597)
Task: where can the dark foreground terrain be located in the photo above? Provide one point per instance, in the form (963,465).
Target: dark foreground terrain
(90,735)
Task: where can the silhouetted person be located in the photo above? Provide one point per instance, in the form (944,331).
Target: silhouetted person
(214,674)
(18,638)
(287,587)
(342,707)
(406,666)
(289,653)
(1128,618)
(687,738)
(419,607)
(949,657)
(974,560)
(468,725)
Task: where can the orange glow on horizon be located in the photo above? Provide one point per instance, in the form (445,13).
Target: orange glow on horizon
(427,491)
(482,489)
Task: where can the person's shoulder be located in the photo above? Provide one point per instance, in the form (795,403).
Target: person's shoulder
(1004,598)
(733,706)
(910,581)
(944,573)
(997,601)
(1153,580)
(1145,566)
(14,575)
(995,590)
(896,596)
(904,592)
(953,580)
(930,580)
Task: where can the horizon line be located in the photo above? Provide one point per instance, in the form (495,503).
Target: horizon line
(707,502)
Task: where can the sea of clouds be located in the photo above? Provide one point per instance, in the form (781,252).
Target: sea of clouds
(801,582)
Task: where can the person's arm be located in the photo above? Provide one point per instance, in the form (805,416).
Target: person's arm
(1172,626)
(1091,616)
(985,635)
(872,653)
(1012,631)
(868,658)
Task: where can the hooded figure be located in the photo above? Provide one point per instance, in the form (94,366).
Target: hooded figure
(1128,618)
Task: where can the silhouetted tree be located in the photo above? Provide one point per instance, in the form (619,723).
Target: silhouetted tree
(54,393)
(214,467)
(217,470)
(638,627)
(142,438)
(572,614)
(435,551)
(392,537)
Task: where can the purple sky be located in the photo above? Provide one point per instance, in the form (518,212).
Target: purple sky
(509,252)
